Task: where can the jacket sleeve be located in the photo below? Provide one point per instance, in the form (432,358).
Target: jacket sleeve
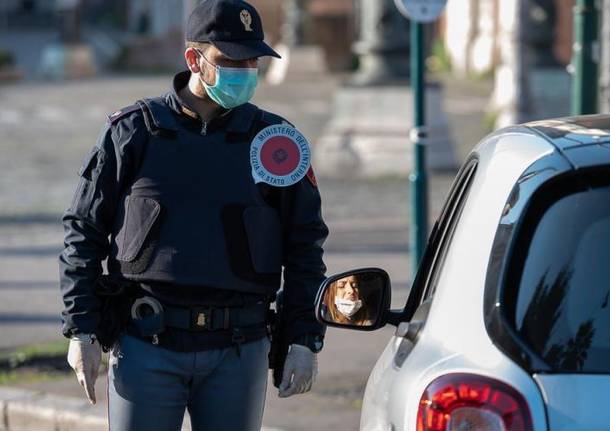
(88,223)
(304,269)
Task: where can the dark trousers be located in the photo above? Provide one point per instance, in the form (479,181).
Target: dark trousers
(149,388)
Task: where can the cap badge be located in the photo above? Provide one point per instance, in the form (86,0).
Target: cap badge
(246,19)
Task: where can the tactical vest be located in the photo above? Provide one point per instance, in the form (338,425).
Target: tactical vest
(193,214)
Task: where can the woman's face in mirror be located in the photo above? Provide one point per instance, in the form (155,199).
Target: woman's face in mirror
(347,288)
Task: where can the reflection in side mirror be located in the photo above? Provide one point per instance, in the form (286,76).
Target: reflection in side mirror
(358,299)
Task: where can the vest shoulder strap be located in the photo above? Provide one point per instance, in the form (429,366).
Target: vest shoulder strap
(268,119)
(264,119)
(158,117)
(122,113)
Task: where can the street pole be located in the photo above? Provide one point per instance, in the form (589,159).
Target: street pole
(584,58)
(604,70)
(418,177)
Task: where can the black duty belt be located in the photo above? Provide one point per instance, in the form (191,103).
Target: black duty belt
(214,318)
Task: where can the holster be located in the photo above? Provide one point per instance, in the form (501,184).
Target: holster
(279,341)
(114,296)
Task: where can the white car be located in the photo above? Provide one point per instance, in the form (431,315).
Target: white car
(507,324)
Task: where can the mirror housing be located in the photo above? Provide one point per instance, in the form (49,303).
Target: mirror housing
(358,299)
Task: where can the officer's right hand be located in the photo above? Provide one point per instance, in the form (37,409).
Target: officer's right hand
(84,357)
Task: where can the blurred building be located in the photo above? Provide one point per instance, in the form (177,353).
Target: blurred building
(26,6)
(472,33)
(124,33)
(481,39)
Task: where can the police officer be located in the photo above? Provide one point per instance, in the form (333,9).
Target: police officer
(197,200)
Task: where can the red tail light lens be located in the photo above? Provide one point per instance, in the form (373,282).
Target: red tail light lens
(460,402)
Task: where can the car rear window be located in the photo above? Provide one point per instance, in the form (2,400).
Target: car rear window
(562,306)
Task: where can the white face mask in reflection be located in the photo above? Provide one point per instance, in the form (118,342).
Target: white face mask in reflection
(348,307)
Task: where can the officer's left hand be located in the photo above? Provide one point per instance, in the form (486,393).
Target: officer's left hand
(300,370)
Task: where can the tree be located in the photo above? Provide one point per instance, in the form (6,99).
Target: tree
(512,94)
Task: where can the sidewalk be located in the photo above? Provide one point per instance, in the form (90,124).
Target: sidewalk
(46,130)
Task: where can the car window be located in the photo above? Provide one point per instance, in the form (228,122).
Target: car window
(562,306)
(440,239)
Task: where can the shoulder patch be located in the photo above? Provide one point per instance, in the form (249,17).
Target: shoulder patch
(116,116)
(279,156)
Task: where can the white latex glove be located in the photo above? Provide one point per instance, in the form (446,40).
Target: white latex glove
(300,371)
(84,357)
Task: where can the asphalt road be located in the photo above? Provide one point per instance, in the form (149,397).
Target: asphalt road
(45,131)
(47,128)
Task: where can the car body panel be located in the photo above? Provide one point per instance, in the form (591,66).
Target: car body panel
(461,334)
(584,407)
(458,304)
(573,132)
(589,155)
(454,338)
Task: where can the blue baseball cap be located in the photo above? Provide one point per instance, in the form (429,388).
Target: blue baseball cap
(232,26)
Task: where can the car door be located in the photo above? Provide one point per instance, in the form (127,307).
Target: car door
(380,401)
(424,285)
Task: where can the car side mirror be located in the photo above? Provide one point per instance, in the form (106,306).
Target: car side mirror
(358,299)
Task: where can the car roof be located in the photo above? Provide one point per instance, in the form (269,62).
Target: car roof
(584,140)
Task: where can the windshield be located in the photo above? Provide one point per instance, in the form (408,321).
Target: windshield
(562,304)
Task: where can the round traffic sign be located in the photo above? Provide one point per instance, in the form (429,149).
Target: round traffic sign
(421,10)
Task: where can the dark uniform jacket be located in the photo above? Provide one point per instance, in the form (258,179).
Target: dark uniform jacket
(170,201)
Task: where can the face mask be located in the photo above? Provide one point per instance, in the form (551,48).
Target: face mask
(234,85)
(347,307)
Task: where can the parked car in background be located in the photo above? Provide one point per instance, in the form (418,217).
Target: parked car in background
(507,324)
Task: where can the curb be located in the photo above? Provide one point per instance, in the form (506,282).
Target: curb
(26,410)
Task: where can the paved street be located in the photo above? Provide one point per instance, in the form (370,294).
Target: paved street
(38,175)
(46,130)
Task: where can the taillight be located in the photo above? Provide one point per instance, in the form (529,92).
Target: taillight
(460,402)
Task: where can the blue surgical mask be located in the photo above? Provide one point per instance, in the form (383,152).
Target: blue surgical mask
(234,85)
